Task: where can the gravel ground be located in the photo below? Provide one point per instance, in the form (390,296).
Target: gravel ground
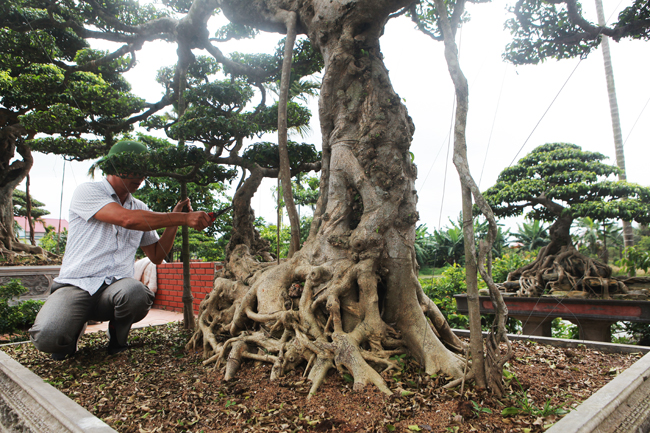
(156,386)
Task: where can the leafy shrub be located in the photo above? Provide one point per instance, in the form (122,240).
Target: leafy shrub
(634,259)
(442,289)
(631,333)
(54,242)
(563,329)
(28,310)
(644,244)
(509,262)
(15,317)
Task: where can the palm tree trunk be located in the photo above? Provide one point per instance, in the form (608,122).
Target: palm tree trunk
(628,235)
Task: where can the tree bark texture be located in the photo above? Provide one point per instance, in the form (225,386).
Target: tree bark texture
(11,174)
(487,371)
(285,166)
(350,298)
(243,220)
(188,297)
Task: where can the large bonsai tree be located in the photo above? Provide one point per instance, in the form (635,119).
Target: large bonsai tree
(51,82)
(92,108)
(558,30)
(350,298)
(559,182)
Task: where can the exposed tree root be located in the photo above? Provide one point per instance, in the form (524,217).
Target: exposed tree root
(333,321)
(350,298)
(28,254)
(567,270)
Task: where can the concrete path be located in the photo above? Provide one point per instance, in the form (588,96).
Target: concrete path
(155,317)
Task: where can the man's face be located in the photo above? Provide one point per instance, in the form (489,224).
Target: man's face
(132,181)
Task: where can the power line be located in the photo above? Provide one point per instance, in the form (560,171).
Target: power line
(544,115)
(636,121)
(494,120)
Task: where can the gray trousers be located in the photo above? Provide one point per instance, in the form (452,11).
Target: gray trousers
(61,319)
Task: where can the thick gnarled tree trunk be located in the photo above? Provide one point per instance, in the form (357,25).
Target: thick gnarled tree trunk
(12,172)
(243,225)
(350,298)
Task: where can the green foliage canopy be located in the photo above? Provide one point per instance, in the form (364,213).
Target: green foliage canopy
(560,179)
(46,84)
(20,205)
(557,29)
(54,242)
(267,155)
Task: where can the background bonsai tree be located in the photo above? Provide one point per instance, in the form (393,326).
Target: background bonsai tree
(29,208)
(51,82)
(557,29)
(559,182)
(78,96)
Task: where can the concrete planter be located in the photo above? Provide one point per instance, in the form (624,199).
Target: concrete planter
(37,279)
(29,405)
(623,405)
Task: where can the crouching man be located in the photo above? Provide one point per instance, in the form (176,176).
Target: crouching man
(107,225)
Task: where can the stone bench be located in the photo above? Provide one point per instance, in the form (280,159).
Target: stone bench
(593,317)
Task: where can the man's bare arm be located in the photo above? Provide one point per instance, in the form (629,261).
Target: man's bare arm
(144,220)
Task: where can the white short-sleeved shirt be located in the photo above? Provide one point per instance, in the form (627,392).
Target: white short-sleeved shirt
(98,252)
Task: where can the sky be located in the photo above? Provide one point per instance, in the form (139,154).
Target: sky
(512,109)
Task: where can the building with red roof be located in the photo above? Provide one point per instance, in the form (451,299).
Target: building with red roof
(39,227)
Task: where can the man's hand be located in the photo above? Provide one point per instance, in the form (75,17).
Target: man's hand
(197,220)
(181,204)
